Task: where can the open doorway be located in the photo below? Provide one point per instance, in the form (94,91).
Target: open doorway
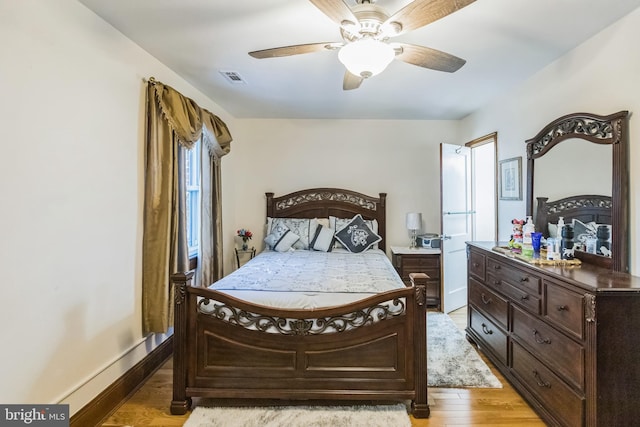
(484,195)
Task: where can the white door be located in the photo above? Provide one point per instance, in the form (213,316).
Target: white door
(455,195)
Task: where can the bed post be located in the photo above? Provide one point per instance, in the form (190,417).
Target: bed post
(269,204)
(180,403)
(382,220)
(419,406)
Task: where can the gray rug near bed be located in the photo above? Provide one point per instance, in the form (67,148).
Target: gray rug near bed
(451,361)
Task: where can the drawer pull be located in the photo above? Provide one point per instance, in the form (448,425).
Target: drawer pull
(524,297)
(524,279)
(562,307)
(475,264)
(486,330)
(540,340)
(539,380)
(496,267)
(484,299)
(497,282)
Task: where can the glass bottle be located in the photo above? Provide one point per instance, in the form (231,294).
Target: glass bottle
(566,244)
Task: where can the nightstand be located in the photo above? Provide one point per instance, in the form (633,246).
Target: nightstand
(242,256)
(420,260)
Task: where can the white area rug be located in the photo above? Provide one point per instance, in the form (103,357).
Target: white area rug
(451,361)
(301,416)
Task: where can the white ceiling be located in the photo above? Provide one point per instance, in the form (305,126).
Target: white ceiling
(503,41)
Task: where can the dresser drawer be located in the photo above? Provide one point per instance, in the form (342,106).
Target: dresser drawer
(495,269)
(563,355)
(557,397)
(521,297)
(488,302)
(477,265)
(565,309)
(493,281)
(518,278)
(495,340)
(421,261)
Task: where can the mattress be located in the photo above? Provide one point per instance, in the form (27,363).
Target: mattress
(305,279)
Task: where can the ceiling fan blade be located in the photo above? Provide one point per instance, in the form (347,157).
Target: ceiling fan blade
(428,58)
(420,13)
(351,81)
(294,50)
(337,10)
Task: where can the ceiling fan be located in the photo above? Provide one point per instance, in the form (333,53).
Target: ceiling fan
(366,29)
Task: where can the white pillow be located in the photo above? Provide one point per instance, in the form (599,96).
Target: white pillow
(323,221)
(305,228)
(322,239)
(281,238)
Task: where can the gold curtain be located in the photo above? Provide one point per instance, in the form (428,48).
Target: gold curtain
(174,124)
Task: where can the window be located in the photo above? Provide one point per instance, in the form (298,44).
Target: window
(192,173)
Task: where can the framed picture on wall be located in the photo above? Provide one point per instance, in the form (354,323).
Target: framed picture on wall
(510,179)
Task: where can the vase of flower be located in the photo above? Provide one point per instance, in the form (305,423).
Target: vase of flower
(245,235)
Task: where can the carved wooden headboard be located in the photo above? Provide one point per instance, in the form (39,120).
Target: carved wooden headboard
(325,202)
(585,208)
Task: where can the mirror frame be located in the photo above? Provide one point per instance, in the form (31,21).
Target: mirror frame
(592,128)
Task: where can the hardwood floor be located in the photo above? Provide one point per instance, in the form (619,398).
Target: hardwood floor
(149,406)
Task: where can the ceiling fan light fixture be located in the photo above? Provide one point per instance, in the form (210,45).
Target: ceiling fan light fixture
(366,57)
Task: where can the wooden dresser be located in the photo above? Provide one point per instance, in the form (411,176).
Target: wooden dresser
(567,338)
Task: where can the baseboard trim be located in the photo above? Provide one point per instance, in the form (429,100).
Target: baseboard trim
(103,405)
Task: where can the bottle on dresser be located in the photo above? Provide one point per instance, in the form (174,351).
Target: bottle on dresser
(527,229)
(567,242)
(559,228)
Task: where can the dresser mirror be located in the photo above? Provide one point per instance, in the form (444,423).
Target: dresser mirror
(577,167)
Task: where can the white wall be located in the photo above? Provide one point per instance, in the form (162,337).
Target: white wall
(600,76)
(71,184)
(401,158)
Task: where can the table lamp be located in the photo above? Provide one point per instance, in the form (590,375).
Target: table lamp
(414,223)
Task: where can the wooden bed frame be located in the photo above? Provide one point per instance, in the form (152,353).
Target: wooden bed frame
(247,351)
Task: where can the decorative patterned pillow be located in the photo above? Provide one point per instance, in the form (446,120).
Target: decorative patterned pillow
(339,223)
(281,239)
(303,227)
(322,239)
(356,236)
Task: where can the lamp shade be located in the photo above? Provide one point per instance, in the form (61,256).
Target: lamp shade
(366,57)
(414,221)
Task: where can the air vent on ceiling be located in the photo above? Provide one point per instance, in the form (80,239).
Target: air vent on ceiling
(233,77)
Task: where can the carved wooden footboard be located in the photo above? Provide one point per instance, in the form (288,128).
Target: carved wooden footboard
(373,349)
